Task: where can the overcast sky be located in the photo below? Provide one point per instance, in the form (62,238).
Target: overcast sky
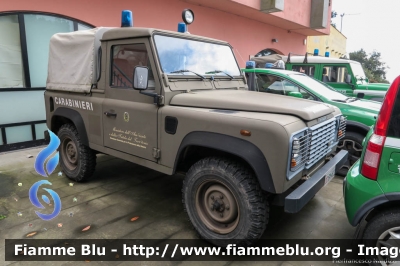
(375,27)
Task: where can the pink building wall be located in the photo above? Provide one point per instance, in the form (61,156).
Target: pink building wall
(247,36)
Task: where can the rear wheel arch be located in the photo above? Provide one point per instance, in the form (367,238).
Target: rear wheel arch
(198,145)
(383,207)
(68,116)
(376,205)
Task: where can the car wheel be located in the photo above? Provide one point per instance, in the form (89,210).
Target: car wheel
(352,142)
(77,161)
(383,230)
(224,202)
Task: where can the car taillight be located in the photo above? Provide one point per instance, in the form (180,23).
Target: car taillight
(372,156)
(373,153)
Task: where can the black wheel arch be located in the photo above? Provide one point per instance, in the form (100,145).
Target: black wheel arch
(357,127)
(242,149)
(375,205)
(64,115)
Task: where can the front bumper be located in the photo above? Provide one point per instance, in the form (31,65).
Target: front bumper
(296,200)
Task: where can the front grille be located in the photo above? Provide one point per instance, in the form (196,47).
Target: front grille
(314,144)
(321,140)
(342,127)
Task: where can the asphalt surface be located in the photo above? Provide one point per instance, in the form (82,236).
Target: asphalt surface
(120,190)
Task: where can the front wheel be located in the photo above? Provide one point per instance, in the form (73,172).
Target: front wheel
(77,161)
(352,142)
(224,202)
(383,230)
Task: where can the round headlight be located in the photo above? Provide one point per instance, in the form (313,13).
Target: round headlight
(188,16)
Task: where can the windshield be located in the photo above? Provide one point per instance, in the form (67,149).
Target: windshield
(318,87)
(204,58)
(358,71)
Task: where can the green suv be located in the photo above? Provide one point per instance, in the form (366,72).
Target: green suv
(345,76)
(360,113)
(372,186)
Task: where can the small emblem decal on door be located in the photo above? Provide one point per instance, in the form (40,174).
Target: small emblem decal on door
(126,117)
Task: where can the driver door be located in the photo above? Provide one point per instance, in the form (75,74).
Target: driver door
(129,117)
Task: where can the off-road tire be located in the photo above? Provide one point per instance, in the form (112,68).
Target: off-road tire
(85,159)
(380,223)
(353,155)
(252,206)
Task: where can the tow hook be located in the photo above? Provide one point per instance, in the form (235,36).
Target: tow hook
(305,177)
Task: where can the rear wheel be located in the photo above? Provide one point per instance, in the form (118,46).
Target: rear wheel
(77,161)
(224,202)
(352,142)
(383,230)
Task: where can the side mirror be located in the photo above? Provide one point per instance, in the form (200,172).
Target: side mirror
(140,78)
(295,94)
(348,78)
(360,95)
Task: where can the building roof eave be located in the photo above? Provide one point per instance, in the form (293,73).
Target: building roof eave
(251,12)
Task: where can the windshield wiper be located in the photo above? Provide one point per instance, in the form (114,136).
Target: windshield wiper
(347,100)
(186,70)
(337,100)
(219,71)
(352,99)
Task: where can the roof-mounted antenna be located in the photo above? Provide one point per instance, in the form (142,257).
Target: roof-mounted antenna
(305,59)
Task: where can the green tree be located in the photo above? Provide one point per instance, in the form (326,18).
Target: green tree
(374,68)
(333,15)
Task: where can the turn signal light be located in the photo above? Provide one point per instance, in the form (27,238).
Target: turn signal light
(340,133)
(246,133)
(293,163)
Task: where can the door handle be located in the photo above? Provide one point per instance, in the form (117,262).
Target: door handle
(110,114)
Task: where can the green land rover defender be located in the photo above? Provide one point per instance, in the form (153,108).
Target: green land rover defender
(345,76)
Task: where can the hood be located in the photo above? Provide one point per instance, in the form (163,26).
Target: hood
(253,101)
(374,86)
(369,106)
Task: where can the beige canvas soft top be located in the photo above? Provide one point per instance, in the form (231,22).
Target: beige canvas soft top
(134,32)
(262,60)
(73,60)
(73,56)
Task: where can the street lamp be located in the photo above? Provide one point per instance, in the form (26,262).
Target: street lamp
(341,19)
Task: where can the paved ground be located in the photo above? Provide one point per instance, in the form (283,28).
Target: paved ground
(121,190)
